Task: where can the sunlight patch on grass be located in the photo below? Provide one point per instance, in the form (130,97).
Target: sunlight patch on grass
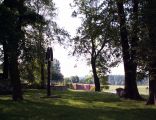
(73,103)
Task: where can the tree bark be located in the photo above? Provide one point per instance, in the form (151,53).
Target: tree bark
(6,62)
(14,74)
(152,67)
(13,49)
(96,78)
(150,17)
(48,79)
(131,91)
(42,76)
(152,85)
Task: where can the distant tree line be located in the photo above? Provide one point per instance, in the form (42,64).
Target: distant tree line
(119,80)
(88,79)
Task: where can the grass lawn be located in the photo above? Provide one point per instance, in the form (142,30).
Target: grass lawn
(74,105)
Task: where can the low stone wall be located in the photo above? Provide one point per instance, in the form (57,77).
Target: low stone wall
(87,87)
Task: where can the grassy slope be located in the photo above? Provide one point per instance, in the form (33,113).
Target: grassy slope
(74,106)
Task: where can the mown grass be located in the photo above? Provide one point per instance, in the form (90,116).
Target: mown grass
(74,105)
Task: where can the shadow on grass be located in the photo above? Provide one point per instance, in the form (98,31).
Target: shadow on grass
(76,95)
(30,110)
(90,96)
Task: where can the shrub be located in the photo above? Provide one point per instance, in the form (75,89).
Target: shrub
(104,87)
(69,85)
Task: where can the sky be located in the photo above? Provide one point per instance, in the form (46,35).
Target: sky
(71,66)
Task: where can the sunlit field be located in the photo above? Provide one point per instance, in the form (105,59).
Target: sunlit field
(142,89)
(74,105)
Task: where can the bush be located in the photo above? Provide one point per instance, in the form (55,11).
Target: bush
(69,85)
(104,87)
(5,87)
(32,86)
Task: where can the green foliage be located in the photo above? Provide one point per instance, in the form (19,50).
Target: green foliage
(74,79)
(104,87)
(56,72)
(30,72)
(104,80)
(67,80)
(88,79)
(69,85)
(38,37)
(148,44)
(146,49)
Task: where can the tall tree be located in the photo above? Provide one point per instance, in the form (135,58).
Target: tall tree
(149,15)
(129,48)
(19,16)
(93,37)
(13,47)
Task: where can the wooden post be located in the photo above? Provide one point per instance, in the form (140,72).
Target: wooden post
(48,80)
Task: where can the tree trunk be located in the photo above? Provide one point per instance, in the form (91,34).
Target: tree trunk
(150,17)
(42,76)
(152,85)
(13,49)
(14,74)
(48,79)
(152,82)
(131,91)
(96,78)
(6,62)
